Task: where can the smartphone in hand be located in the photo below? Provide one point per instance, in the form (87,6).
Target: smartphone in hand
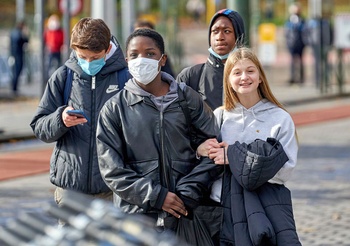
(77,112)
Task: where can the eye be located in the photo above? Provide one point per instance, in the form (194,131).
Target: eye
(237,73)
(150,54)
(133,55)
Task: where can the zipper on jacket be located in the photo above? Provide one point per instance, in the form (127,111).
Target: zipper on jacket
(166,177)
(93,83)
(92,146)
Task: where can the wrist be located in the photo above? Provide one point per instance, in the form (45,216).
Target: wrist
(198,156)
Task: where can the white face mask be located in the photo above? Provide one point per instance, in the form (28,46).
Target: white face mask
(144,70)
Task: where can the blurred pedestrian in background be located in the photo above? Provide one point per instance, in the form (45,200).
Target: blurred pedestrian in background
(319,36)
(259,144)
(147,24)
(294,34)
(19,37)
(54,40)
(91,76)
(196,8)
(226,32)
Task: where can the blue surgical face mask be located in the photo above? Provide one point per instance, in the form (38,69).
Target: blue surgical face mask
(93,67)
(224,57)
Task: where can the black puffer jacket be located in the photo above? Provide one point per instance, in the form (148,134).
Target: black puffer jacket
(256,212)
(144,152)
(73,162)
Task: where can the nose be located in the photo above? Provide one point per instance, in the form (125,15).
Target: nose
(219,35)
(244,76)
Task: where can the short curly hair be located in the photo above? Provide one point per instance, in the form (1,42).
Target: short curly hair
(157,38)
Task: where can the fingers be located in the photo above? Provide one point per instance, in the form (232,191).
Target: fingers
(174,205)
(219,156)
(70,120)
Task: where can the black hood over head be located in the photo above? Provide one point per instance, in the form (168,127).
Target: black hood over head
(237,23)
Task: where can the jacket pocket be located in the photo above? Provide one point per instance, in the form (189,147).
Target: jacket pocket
(146,169)
(181,169)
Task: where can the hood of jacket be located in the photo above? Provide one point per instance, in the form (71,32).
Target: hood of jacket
(257,112)
(115,61)
(236,20)
(161,102)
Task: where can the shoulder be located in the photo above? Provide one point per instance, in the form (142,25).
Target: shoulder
(59,75)
(189,72)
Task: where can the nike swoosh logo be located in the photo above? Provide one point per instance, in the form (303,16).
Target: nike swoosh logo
(112,88)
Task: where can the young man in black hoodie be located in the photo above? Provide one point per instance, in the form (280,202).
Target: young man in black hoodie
(226,31)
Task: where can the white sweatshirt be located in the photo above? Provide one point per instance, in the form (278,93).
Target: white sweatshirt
(261,121)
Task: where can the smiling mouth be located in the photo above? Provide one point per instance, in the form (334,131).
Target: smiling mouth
(245,84)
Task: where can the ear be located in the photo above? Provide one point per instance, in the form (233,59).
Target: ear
(109,48)
(163,60)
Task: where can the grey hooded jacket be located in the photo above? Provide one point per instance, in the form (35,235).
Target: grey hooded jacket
(73,162)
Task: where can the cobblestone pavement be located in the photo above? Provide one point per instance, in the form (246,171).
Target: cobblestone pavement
(320,185)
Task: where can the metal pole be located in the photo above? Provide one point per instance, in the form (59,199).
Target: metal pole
(243,8)
(128,18)
(105,10)
(20,10)
(66,28)
(39,21)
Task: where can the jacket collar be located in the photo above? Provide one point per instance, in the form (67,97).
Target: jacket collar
(214,61)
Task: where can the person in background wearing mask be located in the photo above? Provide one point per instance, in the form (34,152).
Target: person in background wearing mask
(147,24)
(143,142)
(54,40)
(226,32)
(95,62)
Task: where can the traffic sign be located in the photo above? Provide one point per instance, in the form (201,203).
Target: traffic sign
(75,6)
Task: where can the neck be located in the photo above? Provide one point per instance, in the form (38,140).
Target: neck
(157,87)
(249,101)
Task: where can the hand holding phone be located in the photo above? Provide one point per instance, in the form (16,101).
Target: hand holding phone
(77,112)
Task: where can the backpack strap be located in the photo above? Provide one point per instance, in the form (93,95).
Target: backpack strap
(186,111)
(122,75)
(184,107)
(68,86)
(195,76)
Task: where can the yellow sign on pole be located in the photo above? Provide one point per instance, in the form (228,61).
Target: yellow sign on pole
(267,43)
(211,10)
(267,32)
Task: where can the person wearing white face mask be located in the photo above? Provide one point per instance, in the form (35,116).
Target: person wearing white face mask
(94,68)
(145,152)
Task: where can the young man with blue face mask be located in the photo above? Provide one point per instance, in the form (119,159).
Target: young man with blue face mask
(226,31)
(95,63)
